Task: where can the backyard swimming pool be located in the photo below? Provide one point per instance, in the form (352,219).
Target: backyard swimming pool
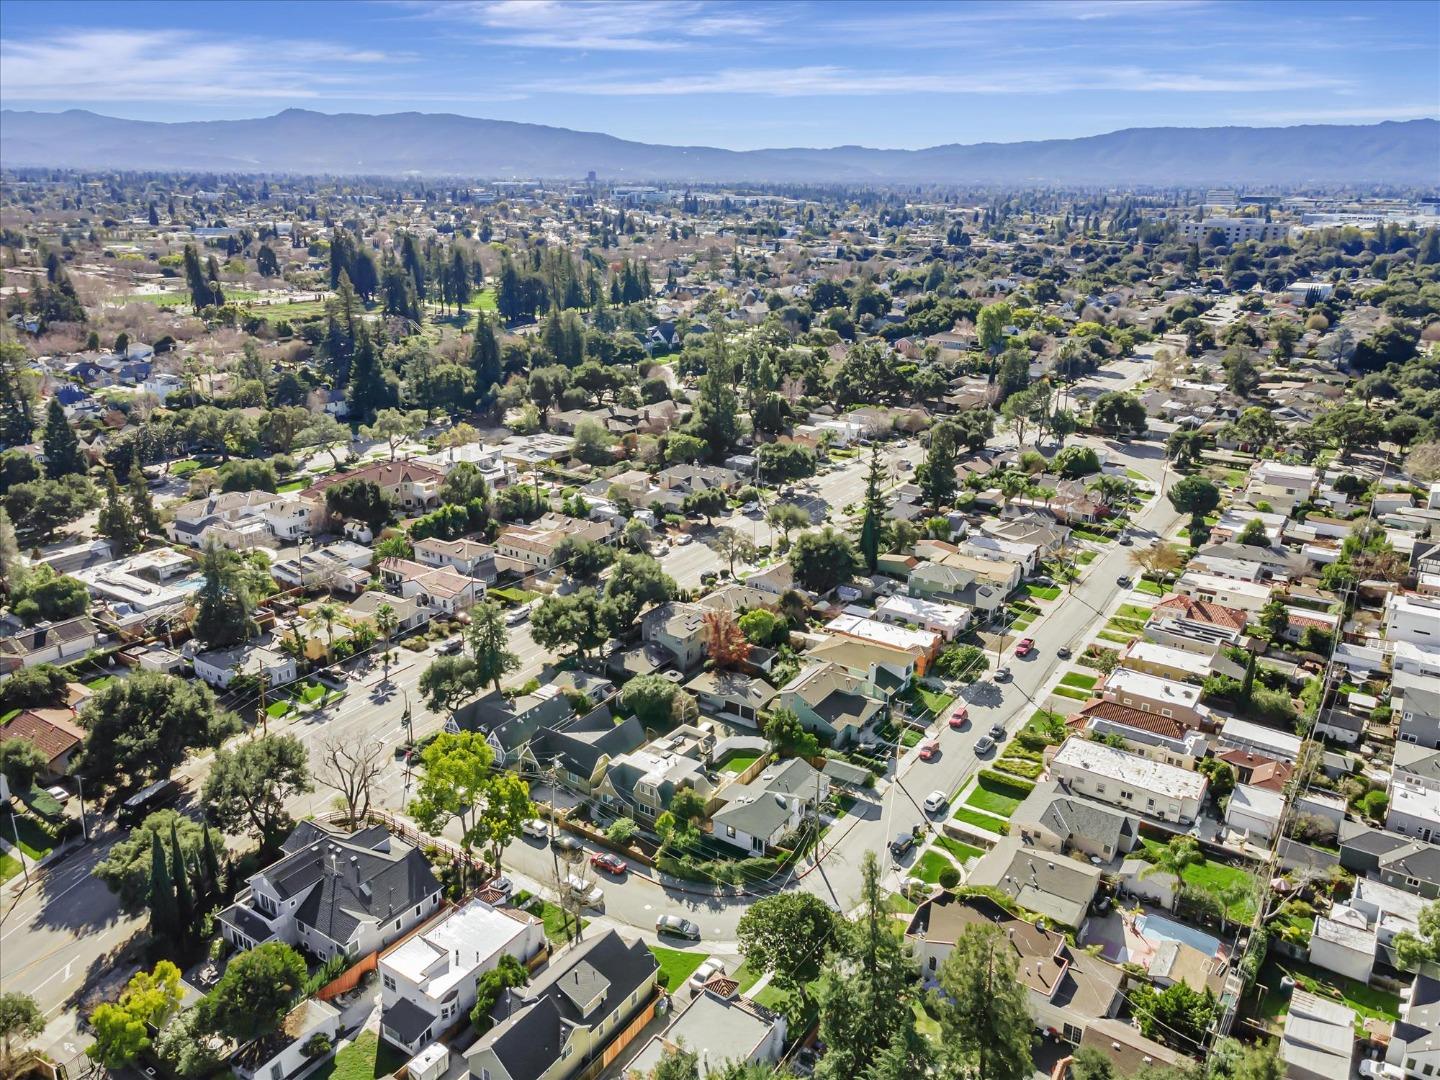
(1157,928)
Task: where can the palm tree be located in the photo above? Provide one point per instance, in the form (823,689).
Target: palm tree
(1174,857)
(386,621)
(1013,485)
(327,615)
(1227,896)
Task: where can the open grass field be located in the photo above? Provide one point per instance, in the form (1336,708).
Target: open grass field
(364,1059)
(676,965)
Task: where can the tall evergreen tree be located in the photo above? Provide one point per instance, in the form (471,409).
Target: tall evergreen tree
(369,390)
(485,360)
(223,615)
(983,1008)
(212,872)
(937,472)
(17,409)
(872,526)
(62,449)
(142,506)
(162,891)
(117,522)
(185,907)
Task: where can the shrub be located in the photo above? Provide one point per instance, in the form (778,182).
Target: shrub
(1031,770)
(949,877)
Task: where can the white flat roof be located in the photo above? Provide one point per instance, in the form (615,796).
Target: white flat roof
(1216,583)
(1243,731)
(1258,800)
(1415,801)
(1124,768)
(928,610)
(1153,687)
(885,633)
(1153,653)
(469,937)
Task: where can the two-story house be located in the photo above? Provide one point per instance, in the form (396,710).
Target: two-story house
(757,815)
(334,894)
(1135,783)
(830,701)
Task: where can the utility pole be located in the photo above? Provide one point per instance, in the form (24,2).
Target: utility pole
(19,851)
(560,883)
(264,711)
(84,825)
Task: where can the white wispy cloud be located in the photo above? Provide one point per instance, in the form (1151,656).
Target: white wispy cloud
(837,81)
(607,25)
(123,65)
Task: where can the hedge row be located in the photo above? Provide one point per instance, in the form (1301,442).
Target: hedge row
(1030,770)
(1004,785)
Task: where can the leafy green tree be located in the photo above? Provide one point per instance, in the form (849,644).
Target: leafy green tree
(983,1009)
(1091,1064)
(1178,1015)
(20,1018)
(485,365)
(781,463)
(707,502)
(654,699)
(256,992)
(1120,413)
(223,613)
(371,388)
(717,409)
(964,663)
(677,1063)
(1253,534)
(20,762)
(17,400)
(764,628)
(867,988)
(1076,461)
(39,508)
(42,684)
(789,935)
(138,729)
(635,581)
(785,732)
(936,474)
(186,911)
(487,638)
(448,682)
(1415,949)
(506,808)
(121,1029)
(41,593)
(457,769)
(248,474)
(117,520)
(63,456)
(1196,496)
(506,975)
(787,517)
(363,500)
(248,787)
(823,559)
(583,559)
(577,621)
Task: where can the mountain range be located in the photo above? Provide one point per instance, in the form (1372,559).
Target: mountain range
(441,144)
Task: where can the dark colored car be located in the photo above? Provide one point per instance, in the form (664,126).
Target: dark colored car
(997,732)
(566,844)
(902,843)
(1063,652)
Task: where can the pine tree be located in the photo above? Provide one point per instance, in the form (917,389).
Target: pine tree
(17,413)
(162,891)
(873,524)
(117,523)
(212,873)
(369,391)
(937,472)
(142,506)
(62,449)
(485,360)
(185,909)
(9,553)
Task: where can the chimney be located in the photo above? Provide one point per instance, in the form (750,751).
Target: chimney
(355,868)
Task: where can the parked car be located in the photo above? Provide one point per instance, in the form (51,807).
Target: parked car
(1043,580)
(451,646)
(1063,652)
(677,926)
(566,844)
(58,793)
(515,616)
(536,828)
(683,539)
(587,892)
(959,718)
(935,802)
(1002,674)
(1125,540)
(902,843)
(1124,581)
(610,863)
(751,507)
(997,732)
(929,749)
(1026,647)
(705,972)
(984,745)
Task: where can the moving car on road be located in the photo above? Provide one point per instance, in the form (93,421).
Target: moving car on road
(566,845)
(1002,674)
(997,732)
(540,830)
(677,926)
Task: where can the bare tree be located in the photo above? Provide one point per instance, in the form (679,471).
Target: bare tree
(350,770)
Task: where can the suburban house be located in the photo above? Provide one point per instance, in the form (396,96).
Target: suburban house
(1356,934)
(921,644)
(729,695)
(1047,883)
(412,486)
(435,588)
(408,611)
(334,894)
(1160,738)
(718,1026)
(427,983)
(508,723)
(678,627)
(1254,811)
(582,747)
(1053,820)
(533,546)
(947,620)
(831,702)
(1319,1038)
(1176,664)
(1413,618)
(578,1011)
(1414,809)
(1248,596)
(49,643)
(54,732)
(341,566)
(1237,734)
(883,670)
(642,782)
(285,1051)
(1415,701)
(468,557)
(1150,693)
(1128,1051)
(1415,1041)
(1127,780)
(240,520)
(220,667)
(1067,989)
(1284,487)
(757,815)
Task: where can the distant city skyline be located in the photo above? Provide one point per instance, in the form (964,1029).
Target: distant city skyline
(741,76)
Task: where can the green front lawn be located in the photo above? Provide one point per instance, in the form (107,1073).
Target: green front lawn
(1080,679)
(929,867)
(364,1059)
(9,867)
(930,700)
(1070,692)
(746,977)
(1093,537)
(738,763)
(1134,611)
(1213,877)
(962,851)
(1086,557)
(291,485)
(1118,639)
(1149,588)
(34,841)
(277,709)
(99,681)
(1043,592)
(988,822)
(554,919)
(676,965)
(1367,1002)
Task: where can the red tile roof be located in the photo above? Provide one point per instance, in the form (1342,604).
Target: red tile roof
(53,731)
(1169,727)
(1203,611)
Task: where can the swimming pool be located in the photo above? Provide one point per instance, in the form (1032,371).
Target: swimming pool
(1156,928)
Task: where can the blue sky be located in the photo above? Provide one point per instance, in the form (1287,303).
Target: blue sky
(901,74)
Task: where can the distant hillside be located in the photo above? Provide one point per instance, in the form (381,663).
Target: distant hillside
(298,141)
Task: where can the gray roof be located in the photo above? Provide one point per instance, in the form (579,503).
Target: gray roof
(407,1020)
(581,744)
(1417,760)
(1416,859)
(1419,1027)
(1068,815)
(1052,885)
(532,1022)
(347,878)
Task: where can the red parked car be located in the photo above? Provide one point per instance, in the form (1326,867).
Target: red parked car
(1026,646)
(611,864)
(929,749)
(959,718)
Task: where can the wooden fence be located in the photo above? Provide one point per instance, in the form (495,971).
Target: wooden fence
(352,976)
(623,1038)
